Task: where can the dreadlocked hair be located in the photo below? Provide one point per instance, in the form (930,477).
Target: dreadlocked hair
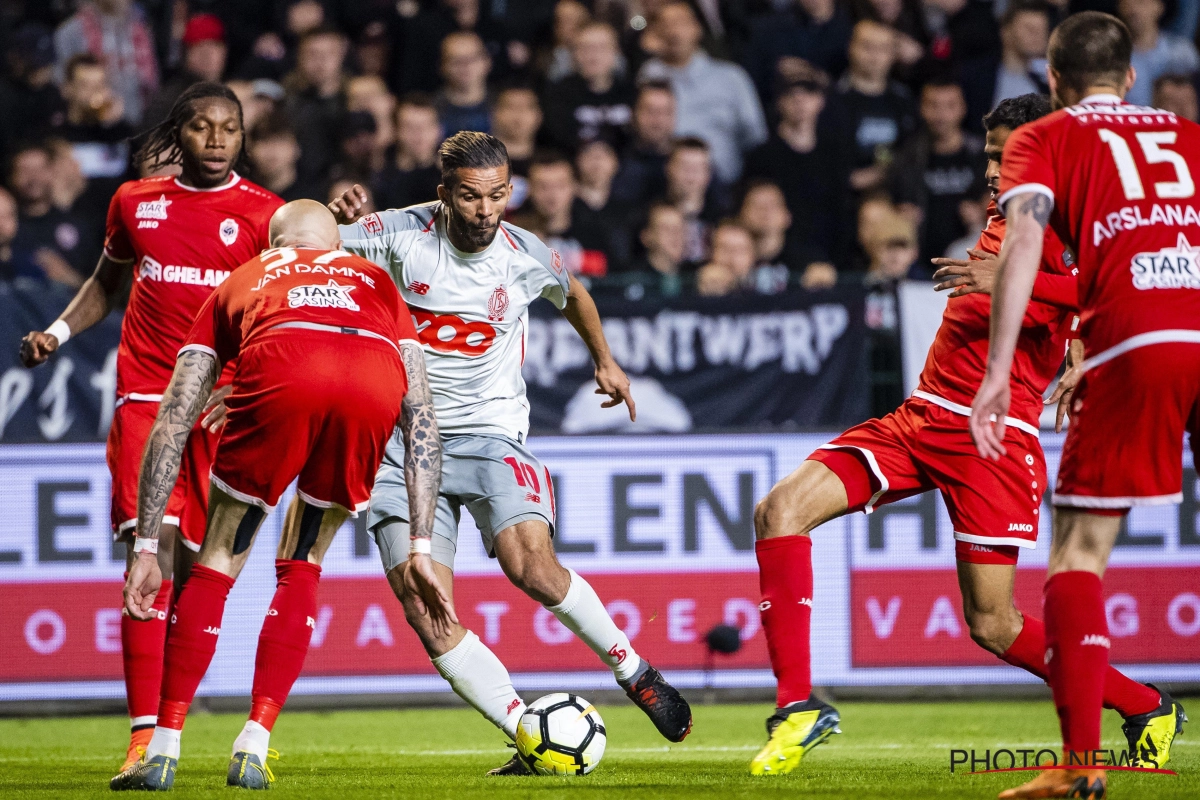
(160,146)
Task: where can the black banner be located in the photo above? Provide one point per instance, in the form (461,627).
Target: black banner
(779,362)
(782,362)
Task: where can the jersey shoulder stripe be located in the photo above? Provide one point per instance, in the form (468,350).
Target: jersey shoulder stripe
(525,242)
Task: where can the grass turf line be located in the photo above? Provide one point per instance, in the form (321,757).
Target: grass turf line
(889,750)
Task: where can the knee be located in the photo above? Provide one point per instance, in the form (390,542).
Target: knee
(547,583)
(992,629)
(768,515)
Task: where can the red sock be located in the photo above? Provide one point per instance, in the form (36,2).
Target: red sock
(786,579)
(1124,694)
(191,641)
(283,642)
(142,659)
(1077,643)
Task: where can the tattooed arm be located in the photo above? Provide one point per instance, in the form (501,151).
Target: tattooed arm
(1028,215)
(422,444)
(195,374)
(423,477)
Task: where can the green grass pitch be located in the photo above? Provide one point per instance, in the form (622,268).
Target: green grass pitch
(888,750)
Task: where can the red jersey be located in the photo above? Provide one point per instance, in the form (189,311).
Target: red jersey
(302,287)
(957,358)
(185,241)
(1121,178)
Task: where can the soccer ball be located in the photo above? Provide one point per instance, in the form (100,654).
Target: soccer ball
(561,734)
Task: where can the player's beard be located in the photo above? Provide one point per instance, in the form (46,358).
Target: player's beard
(464,231)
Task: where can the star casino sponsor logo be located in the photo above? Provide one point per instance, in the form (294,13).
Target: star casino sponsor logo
(1175,267)
(152,270)
(1019,759)
(331,295)
(498,304)
(152,209)
(448,333)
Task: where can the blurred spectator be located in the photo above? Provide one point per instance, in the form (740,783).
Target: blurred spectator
(716,99)
(114,31)
(275,155)
(204,53)
(273,53)
(86,199)
(516,118)
(596,166)
(462,102)
(765,215)
(570,16)
(973,212)
(1020,67)
(876,113)
(872,211)
(593,102)
(814,32)
(1155,52)
(1177,94)
(732,266)
(51,235)
(662,237)
(422,54)
(315,101)
(892,246)
(95,122)
(642,173)
(891,241)
(360,158)
(259,98)
(413,175)
(369,93)
(690,188)
(561,219)
(937,169)
(29,94)
(907,18)
(373,50)
(963,35)
(811,166)
(14,262)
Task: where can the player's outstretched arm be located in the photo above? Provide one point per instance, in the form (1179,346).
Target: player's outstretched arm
(1020,256)
(91,304)
(423,477)
(191,384)
(349,206)
(611,380)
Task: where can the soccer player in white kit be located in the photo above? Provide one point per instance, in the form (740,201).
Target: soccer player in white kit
(468,279)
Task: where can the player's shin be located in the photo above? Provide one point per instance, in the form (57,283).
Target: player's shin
(191,642)
(142,659)
(584,615)
(786,582)
(282,646)
(1077,651)
(478,676)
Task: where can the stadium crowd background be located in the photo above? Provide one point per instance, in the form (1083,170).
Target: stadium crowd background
(663,147)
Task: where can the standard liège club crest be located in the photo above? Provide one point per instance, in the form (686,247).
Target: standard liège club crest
(498,304)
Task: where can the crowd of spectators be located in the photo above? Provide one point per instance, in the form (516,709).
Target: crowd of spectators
(661,146)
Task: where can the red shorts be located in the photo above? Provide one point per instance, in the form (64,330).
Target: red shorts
(313,405)
(1124,447)
(188,505)
(994,506)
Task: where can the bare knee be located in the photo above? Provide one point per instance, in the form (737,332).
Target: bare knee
(810,496)
(546,582)
(993,629)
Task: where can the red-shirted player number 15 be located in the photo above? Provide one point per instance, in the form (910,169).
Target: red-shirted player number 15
(1151,143)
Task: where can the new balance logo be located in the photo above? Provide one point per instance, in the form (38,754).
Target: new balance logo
(530,497)
(416,287)
(516,702)
(1096,639)
(1020,527)
(213,629)
(618,654)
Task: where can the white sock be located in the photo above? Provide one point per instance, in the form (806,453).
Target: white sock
(254,739)
(583,613)
(478,677)
(164,742)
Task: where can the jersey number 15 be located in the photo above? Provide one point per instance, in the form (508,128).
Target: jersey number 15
(1151,143)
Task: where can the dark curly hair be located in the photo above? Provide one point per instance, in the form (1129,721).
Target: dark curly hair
(1017,111)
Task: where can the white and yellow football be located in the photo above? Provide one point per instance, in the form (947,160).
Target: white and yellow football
(561,734)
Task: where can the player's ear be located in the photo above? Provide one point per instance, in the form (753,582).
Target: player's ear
(1130,80)
(337,245)
(443,194)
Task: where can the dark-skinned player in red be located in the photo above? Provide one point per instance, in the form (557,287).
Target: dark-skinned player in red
(180,236)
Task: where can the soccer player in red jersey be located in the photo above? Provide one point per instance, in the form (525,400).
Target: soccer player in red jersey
(180,237)
(1116,183)
(328,363)
(924,445)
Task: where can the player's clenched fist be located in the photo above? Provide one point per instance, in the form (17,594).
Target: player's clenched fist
(36,347)
(349,206)
(145,579)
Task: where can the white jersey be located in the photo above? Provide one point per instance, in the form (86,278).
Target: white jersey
(471,310)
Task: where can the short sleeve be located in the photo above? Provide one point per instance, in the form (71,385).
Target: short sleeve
(1027,165)
(384,237)
(545,276)
(211,332)
(117,246)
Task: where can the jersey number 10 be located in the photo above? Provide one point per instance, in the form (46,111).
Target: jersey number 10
(1151,143)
